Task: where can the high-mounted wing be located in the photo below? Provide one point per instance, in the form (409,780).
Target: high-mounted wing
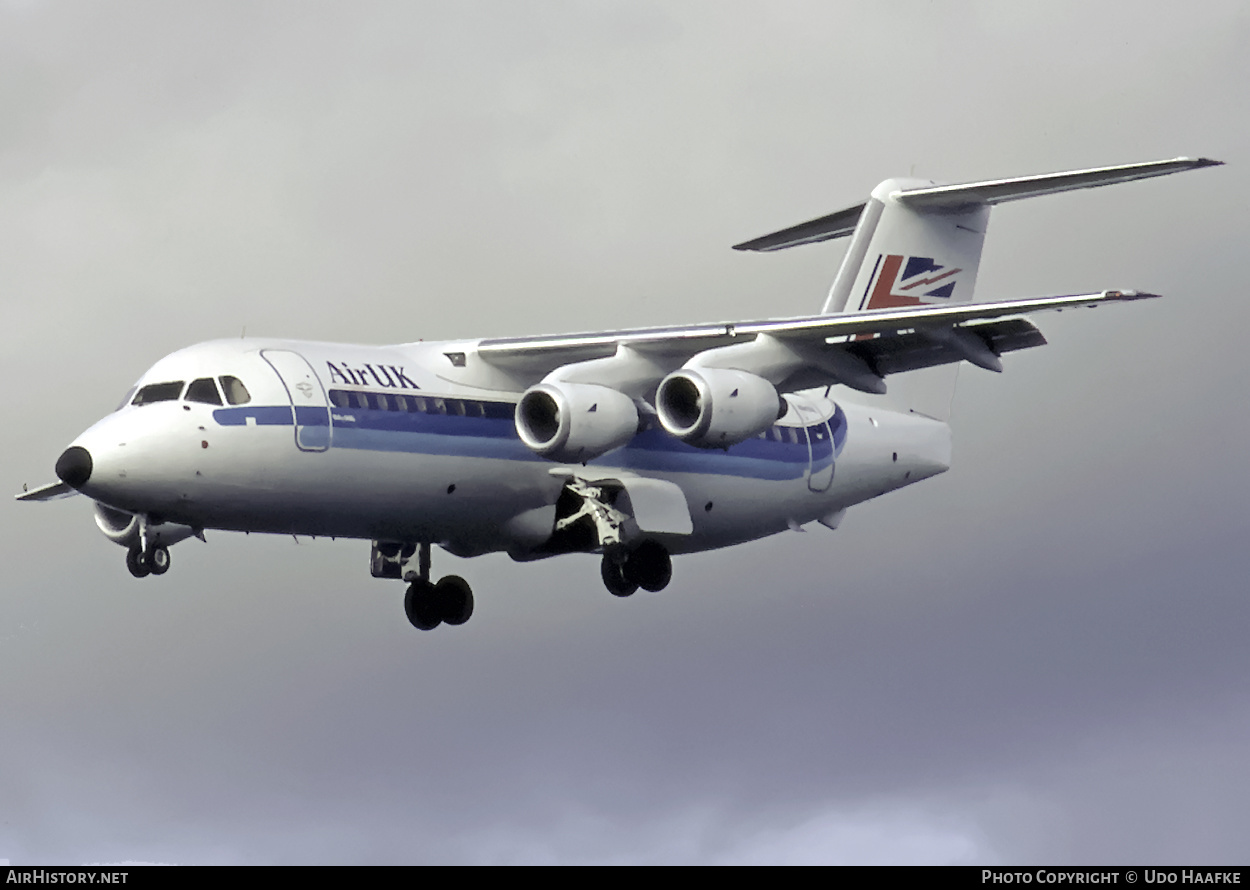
(856,349)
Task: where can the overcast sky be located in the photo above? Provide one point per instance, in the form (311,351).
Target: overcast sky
(1039,657)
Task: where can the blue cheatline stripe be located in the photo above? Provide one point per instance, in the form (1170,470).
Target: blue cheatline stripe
(371,429)
(312,416)
(264,415)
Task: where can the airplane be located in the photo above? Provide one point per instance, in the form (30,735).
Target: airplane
(637,445)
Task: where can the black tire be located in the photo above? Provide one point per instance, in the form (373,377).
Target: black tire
(455,600)
(136,563)
(158,559)
(649,566)
(615,579)
(421,606)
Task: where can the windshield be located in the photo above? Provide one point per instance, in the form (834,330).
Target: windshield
(203,390)
(158,392)
(236,392)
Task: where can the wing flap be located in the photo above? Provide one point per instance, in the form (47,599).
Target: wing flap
(916,350)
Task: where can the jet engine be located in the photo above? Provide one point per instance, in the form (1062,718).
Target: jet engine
(122,528)
(575,421)
(716,407)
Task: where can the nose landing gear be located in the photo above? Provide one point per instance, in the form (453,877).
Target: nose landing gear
(152,561)
(146,555)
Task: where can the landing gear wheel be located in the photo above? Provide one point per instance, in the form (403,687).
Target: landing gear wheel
(455,599)
(422,606)
(615,578)
(650,566)
(137,563)
(158,559)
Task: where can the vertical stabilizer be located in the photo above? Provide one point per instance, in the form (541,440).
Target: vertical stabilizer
(903,256)
(916,242)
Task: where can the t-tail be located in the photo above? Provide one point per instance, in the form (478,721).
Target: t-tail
(915,242)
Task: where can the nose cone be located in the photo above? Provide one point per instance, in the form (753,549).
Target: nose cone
(74,466)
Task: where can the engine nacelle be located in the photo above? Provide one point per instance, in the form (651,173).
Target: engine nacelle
(716,407)
(122,528)
(575,421)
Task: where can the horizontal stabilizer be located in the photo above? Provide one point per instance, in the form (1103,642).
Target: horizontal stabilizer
(997,191)
(47,492)
(835,225)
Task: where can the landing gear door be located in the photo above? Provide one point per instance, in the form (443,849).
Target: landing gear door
(308,398)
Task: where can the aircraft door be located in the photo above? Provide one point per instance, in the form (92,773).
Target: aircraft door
(308,398)
(819,437)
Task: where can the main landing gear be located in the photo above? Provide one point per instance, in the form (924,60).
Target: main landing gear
(647,566)
(428,605)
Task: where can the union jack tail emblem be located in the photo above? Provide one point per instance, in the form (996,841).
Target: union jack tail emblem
(909,281)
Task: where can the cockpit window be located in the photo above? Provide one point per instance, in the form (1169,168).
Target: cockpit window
(236,392)
(203,390)
(158,392)
(126,398)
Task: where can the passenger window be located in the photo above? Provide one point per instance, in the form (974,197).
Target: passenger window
(158,392)
(236,392)
(361,399)
(203,390)
(338,398)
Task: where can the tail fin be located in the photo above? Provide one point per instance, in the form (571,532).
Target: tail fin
(915,242)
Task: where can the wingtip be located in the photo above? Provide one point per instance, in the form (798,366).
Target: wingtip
(1195,163)
(1130,295)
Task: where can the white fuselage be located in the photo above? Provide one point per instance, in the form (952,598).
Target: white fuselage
(386,443)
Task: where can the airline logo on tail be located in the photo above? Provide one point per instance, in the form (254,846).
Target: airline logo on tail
(909,281)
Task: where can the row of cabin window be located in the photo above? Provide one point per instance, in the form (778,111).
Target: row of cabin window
(788,434)
(382,401)
(379,401)
(202,390)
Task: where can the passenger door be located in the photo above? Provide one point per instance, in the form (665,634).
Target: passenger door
(309,404)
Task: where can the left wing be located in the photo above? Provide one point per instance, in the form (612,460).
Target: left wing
(47,492)
(793,353)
